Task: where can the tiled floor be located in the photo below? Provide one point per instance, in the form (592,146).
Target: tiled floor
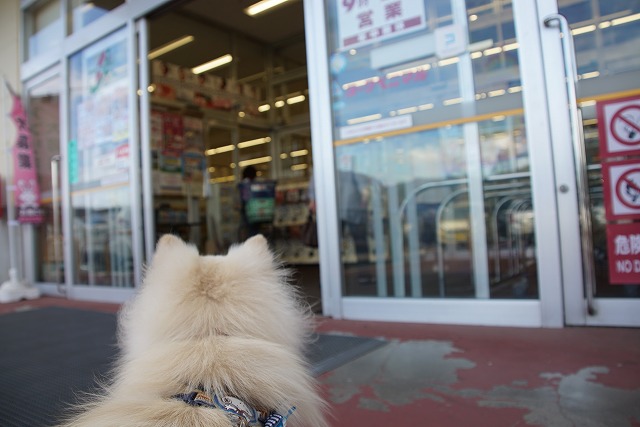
(438,375)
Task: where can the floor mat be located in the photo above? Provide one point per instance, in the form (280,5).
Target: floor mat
(51,355)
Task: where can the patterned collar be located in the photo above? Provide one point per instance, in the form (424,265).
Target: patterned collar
(239,412)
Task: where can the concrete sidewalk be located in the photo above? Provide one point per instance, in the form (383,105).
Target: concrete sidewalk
(436,375)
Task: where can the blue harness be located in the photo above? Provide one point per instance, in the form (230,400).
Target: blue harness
(239,412)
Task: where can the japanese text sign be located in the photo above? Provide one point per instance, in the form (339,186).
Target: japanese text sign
(623,242)
(362,22)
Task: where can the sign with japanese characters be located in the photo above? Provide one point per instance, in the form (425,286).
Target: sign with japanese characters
(362,22)
(25,176)
(623,242)
(619,127)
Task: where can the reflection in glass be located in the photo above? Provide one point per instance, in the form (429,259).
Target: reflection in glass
(98,156)
(42,27)
(44,121)
(431,154)
(84,12)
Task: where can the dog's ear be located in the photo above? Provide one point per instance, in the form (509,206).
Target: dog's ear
(168,240)
(255,248)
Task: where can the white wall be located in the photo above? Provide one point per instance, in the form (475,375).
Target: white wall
(9,48)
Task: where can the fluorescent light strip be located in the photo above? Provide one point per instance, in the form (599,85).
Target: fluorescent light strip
(254,142)
(222,179)
(449,61)
(492,51)
(511,46)
(364,119)
(362,82)
(299,153)
(498,92)
(625,19)
(400,73)
(264,107)
(219,150)
(257,160)
(514,89)
(279,104)
(263,6)
(452,101)
(172,45)
(583,30)
(295,99)
(301,166)
(224,59)
(425,107)
(407,110)
(590,75)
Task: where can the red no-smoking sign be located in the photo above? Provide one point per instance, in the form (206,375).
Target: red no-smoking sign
(619,127)
(622,189)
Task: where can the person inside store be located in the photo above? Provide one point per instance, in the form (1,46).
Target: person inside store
(257,204)
(247,228)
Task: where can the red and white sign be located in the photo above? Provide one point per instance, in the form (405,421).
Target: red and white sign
(362,22)
(619,127)
(622,189)
(623,242)
(25,176)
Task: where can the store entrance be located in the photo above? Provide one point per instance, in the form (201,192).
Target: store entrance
(229,95)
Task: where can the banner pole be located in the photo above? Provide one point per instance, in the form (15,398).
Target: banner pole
(12,224)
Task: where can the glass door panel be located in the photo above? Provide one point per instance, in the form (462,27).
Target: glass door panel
(98,164)
(606,35)
(44,118)
(431,150)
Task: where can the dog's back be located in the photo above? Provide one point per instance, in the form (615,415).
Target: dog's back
(210,341)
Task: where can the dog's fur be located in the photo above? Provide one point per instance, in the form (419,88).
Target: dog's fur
(226,324)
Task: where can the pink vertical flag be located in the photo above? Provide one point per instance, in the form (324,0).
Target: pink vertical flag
(25,177)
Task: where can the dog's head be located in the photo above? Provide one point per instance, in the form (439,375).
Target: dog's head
(187,296)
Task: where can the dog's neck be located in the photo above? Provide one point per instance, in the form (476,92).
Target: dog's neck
(239,412)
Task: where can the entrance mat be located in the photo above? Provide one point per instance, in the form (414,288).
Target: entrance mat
(49,356)
(331,351)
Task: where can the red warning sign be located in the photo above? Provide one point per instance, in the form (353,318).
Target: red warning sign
(623,241)
(621,189)
(619,127)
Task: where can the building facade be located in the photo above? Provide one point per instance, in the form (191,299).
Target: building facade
(473,162)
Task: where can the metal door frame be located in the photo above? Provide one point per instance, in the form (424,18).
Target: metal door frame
(548,310)
(580,305)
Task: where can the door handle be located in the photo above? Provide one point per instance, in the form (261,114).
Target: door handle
(579,155)
(55,205)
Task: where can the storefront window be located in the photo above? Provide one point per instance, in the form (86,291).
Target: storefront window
(43,27)
(99,162)
(431,152)
(84,12)
(44,119)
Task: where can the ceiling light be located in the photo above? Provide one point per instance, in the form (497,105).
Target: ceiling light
(625,19)
(253,142)
(364,119)
(299,153)
(263,6)
(257,160)
(264,107)
(295,99)
(279,104)
(172,45)
(225,59)
(219,150)
(299,167)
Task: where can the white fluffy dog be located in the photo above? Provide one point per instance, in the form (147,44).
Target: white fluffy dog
(210,341)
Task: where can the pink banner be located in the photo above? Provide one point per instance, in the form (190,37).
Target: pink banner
(25,178)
